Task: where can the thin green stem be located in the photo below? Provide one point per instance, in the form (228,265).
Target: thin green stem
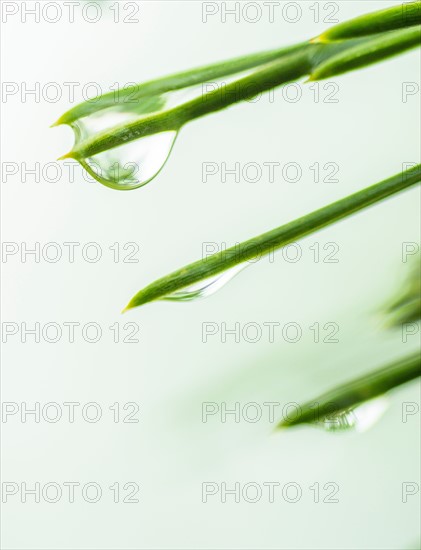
(371,50)
(134,93)
(357,391)
(345,47)
(281,236)
(317,60)
(287,68)
(389,19)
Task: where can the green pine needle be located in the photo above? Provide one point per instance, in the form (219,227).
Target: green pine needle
(357,391)
(346,47)
(281,236)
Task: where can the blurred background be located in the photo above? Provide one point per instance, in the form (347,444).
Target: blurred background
(368,134)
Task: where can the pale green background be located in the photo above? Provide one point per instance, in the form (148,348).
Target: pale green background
(369,133)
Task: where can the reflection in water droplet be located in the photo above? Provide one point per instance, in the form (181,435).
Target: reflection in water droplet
(359,418)
(207,287)
(131,165)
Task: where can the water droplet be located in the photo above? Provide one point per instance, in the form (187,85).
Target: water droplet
(135,163)
(132,164)
(207,287)
(359,418)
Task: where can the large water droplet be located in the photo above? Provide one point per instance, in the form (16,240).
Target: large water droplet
(359,418)
(207,287)
(133,164)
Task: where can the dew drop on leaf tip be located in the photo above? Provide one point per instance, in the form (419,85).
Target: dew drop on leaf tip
(360,418)
(207,287)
